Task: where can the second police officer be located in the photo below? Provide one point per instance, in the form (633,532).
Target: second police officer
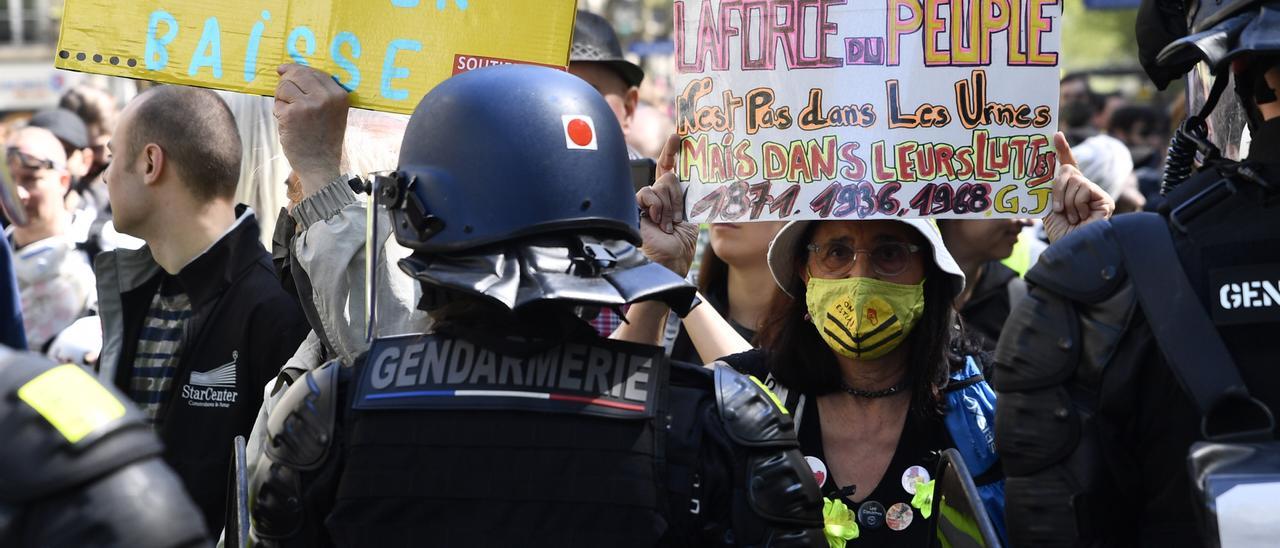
(1138,379)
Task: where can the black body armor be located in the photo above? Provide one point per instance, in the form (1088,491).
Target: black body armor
(1093,427)
(388,454)
(80,467)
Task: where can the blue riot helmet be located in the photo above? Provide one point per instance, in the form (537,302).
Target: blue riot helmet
(1214,44)
(1174,35)
(514,184)
(1241,36)
(505,152)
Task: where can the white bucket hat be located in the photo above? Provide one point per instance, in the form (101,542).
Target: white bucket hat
(783,248)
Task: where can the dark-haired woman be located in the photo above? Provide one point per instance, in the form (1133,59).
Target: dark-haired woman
(862,352)
(866,349)
(734,280)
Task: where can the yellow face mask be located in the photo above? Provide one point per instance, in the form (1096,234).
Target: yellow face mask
(863,318)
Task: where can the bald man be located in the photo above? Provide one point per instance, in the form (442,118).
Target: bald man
(55,281)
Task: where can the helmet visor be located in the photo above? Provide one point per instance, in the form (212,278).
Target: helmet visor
(1227,121)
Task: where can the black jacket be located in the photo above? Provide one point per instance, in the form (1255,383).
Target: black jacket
(1152,418)
(987,309)
(1099,425)
(242,321)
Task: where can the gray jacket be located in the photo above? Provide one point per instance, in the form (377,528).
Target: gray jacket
(331,250)
(118,272)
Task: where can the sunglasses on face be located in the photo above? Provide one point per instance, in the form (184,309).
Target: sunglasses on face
(836,258)
(28,161)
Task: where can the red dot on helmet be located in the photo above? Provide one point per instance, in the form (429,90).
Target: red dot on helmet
(580,132)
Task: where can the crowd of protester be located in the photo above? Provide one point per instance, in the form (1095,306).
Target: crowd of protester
(183,241)
(1119,143)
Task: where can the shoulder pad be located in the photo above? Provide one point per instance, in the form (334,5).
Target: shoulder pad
(1086,266)
(142,504)
(782,489)
(752,416)
(300,428)
(1040,344)
(56,439)
(1070,324)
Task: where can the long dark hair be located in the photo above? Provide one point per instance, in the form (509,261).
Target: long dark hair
(713,272)
(798,358)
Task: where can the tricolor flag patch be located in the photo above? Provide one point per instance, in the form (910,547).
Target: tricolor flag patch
(579,132)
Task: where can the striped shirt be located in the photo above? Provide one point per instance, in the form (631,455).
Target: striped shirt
(609,321)
(606,322)
(156,359)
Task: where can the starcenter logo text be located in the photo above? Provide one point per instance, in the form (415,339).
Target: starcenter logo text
(213,388)
(208,396)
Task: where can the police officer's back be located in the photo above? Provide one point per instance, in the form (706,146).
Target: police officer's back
(1097,421)
(512,423)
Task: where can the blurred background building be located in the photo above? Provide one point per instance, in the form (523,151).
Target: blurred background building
(28,81)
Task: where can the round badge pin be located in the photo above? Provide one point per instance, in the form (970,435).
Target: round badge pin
(871,515)
(899,516)
(819,470)
(914,475)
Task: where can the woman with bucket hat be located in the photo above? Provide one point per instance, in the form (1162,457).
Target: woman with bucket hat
(865,351)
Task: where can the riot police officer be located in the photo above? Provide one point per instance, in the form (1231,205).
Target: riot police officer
(81,467)
(511,422)
(1148,343)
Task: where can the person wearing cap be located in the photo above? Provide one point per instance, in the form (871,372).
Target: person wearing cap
(863,348)
(74,136)
(596,56)
(1139,374)
(55,281)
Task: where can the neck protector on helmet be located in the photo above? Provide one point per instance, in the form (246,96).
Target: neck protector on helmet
(576,270)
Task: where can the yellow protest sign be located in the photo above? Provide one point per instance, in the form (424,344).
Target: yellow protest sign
(388,53)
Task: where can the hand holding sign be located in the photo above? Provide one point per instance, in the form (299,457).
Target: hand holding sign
(1076,200)
(669,239)
(311,109)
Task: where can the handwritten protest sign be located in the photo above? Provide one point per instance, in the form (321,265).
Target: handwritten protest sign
(829,109)
(388,53)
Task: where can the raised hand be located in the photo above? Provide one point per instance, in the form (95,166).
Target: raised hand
(311,110)
(1076,200)
(669,239)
